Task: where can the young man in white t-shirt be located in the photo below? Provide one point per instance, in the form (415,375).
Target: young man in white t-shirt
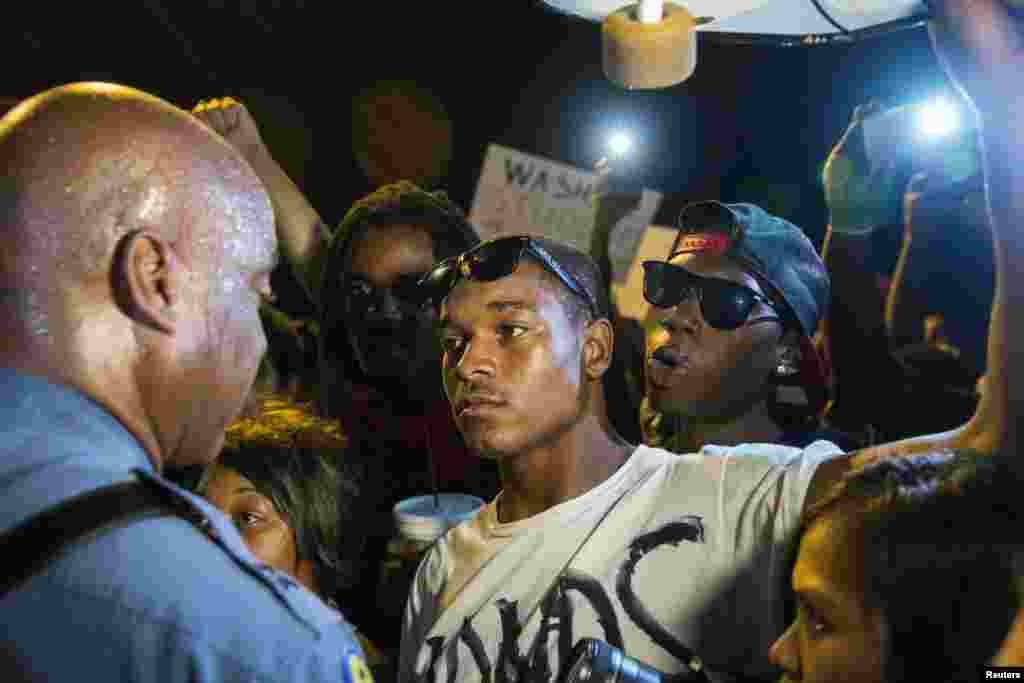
(676,560)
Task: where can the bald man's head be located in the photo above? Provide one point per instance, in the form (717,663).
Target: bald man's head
(131,231)
(85,164)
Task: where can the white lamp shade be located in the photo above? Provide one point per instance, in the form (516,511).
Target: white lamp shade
(777,17)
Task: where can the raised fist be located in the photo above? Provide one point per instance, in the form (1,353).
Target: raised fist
(232,121)
(861,196)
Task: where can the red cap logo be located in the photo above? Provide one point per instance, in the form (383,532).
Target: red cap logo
(713,242)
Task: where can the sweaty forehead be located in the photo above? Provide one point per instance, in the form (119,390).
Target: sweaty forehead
(384,252)
(239,210)
(715,265)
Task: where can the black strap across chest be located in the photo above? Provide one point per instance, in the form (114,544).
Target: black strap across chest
(29,547)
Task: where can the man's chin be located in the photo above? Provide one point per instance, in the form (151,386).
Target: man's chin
(196,455)
(662,401)
(485,443)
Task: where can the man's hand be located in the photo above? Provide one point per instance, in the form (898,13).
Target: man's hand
(980,44)
(860,196)
(233,122)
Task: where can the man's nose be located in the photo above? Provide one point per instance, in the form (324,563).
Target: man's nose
(685,316)
(385,306)
(477,360)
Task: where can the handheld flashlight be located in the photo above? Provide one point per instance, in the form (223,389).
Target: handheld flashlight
(619,144)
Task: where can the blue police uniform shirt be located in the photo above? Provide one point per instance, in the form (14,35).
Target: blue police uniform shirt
(152,601)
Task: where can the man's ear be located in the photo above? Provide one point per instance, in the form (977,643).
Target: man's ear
(598,345)
(147,278)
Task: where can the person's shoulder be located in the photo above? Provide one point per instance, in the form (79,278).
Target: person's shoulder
(802,438)
(773,454)
(650,458)
(204,578)
(169,579)
(754,463)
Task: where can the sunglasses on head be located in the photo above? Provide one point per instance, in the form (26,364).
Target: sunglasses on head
(725,305)
(494,260)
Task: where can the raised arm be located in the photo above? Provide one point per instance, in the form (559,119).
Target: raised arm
(302,233)
(981,47)
(903,311)
(861,199)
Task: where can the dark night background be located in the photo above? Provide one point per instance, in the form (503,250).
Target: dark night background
(752,124)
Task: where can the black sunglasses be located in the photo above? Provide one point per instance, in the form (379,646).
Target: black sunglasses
(494,260)
(366,298)
(725,305)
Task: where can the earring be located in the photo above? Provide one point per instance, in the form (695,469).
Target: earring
(789,362)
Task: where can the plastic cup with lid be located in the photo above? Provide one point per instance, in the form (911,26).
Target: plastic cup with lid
(422,520)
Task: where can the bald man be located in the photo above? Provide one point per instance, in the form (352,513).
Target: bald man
(136,249)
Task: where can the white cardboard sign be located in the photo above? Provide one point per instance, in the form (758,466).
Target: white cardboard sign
(519,193)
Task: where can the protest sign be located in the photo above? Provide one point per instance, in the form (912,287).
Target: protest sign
(520,193)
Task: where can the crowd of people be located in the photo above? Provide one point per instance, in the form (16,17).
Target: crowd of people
(826,487)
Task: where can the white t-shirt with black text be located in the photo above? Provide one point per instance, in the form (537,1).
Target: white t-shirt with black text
(690,558)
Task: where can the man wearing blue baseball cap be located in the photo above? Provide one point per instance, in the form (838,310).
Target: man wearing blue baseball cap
(730,358)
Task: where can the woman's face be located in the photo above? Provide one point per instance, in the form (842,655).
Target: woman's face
(834,637)
(265,531)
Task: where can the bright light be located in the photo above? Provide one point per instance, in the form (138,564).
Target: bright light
(938,118)
(619,144)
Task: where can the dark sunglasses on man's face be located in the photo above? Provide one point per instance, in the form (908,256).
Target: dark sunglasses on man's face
(364,297)
(494,260)
(725,305)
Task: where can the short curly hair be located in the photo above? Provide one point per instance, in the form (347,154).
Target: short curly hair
(298,461)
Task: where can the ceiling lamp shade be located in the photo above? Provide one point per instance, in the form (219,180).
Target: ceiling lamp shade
(789,18)
(653,44)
